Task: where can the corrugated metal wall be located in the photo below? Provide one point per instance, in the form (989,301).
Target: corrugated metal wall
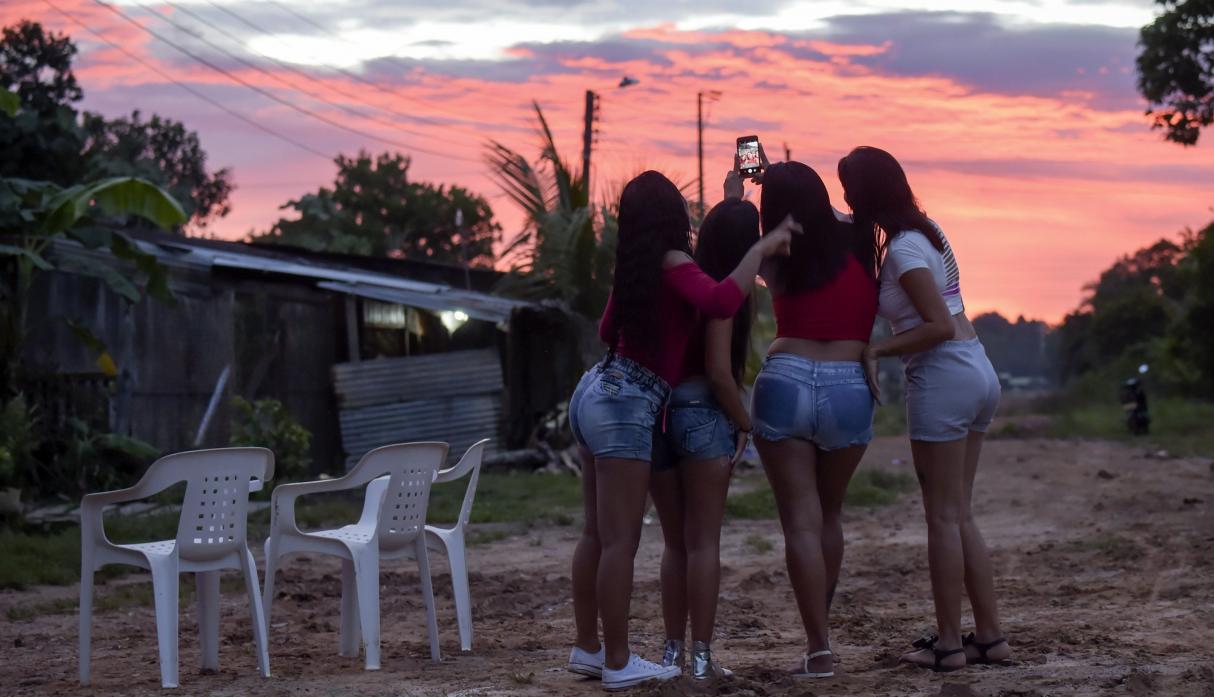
(454,397)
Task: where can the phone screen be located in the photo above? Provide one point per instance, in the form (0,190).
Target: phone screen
(748,154)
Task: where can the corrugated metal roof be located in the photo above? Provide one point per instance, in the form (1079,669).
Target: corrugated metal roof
(476,305)
(435,297)
(454,397)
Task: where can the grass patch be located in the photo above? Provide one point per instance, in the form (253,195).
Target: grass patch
(514,497)
(108,598)
(868,488)
(877,487)
(889,419)
(759,544)
(53,558)
(1180,426)
(481,538)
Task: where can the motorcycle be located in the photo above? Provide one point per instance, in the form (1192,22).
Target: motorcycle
(1134,403)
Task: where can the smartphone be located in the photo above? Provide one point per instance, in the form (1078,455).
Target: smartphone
(748,155)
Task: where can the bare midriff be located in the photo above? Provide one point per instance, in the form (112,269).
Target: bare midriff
(962,328)
(844,350)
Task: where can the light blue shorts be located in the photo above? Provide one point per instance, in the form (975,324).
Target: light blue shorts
(824,402)
(696,428)
(616,409)
(951,389)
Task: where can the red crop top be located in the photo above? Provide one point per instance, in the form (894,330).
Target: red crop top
(686,291)
(843,309)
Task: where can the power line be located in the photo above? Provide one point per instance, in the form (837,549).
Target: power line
(291,68)
(219,105)
(307,112)
(276,78)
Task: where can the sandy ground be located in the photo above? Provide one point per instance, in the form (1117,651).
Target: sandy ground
(1104,558)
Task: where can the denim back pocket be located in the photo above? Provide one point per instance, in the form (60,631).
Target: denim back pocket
(697,426)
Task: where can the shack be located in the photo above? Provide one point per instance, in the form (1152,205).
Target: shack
(361,351)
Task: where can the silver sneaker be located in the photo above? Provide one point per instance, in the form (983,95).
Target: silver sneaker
(702,665)
(674,653)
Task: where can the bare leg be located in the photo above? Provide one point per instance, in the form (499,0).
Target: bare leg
(705,486)
(941,470)
(621,487)
(835,470)
(586,563)
(979,574)
(791,469)
(667,493)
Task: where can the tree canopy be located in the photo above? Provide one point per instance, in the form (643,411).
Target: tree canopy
(1154,306)
(374,209)
(1176,69)
(49,140)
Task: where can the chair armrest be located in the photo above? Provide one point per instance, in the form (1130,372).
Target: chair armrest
(472,457)
(282,501)
(92,506)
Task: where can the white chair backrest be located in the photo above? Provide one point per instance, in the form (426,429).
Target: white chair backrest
(214,513)
(411,468)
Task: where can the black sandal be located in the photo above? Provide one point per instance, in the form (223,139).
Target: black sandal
(940,654)
(983,659)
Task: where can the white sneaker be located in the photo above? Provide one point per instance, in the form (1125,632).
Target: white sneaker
(586,663)
(637,671)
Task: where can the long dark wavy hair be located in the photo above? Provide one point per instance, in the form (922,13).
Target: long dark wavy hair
(820,252)
(653,220)
(727,233)
(881,199)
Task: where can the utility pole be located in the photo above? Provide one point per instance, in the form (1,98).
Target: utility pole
(712,95)
(700,147)
(588,131)
(463,243)
(787,153)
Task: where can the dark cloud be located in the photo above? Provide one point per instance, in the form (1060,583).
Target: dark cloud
(981,51)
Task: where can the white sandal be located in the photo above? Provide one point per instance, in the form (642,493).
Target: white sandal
(805,665)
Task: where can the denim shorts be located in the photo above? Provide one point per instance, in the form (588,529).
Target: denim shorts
(616,409)
(696,428)
(824,402)
(951,389)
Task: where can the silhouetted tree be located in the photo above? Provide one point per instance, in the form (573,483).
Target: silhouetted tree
(373,209)
(1176,68)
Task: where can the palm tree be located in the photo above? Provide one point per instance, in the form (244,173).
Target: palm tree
(567,249)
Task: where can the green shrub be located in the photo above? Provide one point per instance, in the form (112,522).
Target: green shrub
(17,440)
(266,423)
(73,459)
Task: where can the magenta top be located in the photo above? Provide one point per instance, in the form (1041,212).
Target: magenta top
(686,293)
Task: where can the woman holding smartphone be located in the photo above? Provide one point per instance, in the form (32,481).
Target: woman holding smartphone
(812,408)
(651,315)
(951,396)
(708,428)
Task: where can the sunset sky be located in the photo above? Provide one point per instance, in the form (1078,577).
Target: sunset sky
(1017,121)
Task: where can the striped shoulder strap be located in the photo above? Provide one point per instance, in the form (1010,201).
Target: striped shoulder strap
(952,273)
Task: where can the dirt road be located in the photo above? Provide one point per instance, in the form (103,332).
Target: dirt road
(1105,571)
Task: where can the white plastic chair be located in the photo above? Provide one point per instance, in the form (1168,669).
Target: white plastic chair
(392,528)
(450,541)
(211,536)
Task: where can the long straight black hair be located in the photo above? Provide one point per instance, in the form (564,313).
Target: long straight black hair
(653,220)
(820,252)
(881,199)
(727,233)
